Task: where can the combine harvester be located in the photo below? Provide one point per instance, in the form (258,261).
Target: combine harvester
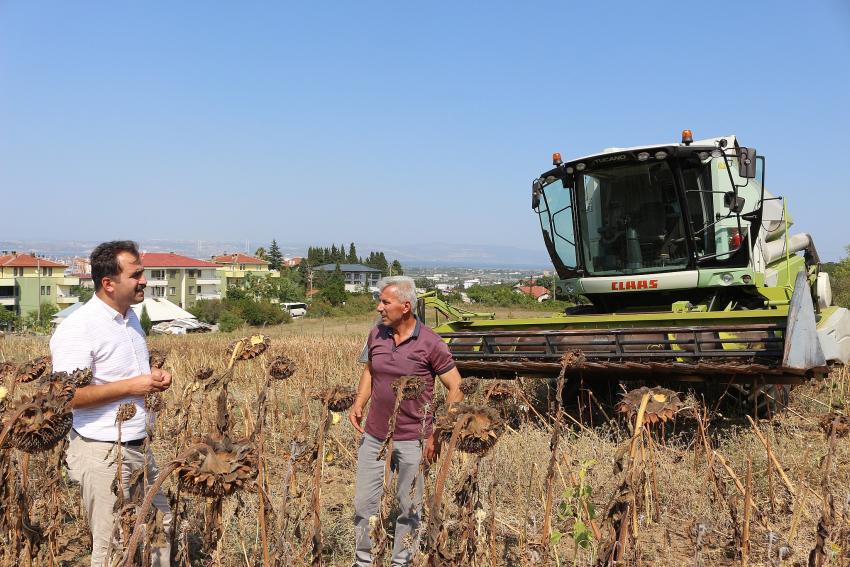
(688,268)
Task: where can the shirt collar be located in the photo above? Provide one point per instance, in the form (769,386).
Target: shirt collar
(107,310)
(413,335)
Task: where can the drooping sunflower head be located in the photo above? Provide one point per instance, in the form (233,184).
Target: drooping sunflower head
(45,418)
(218,467)
(662,406)
(249,347)
(33,369)
(338,398)
(281,368)
(408,387)
(480,427)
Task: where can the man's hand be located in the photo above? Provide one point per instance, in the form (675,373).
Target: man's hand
(157,381)
(432,448)
(355,416)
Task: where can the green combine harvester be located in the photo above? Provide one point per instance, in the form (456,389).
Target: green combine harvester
(688,269)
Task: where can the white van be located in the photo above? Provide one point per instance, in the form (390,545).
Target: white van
(295,309)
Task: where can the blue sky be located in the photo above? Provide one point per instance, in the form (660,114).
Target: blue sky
(399,124)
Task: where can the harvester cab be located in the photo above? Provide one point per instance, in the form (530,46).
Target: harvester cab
(685,266)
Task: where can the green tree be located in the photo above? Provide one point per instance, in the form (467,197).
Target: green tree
(397,269)
(333,290)
(8,319)
(261,253)
(83,292)
(424,283)
(839,279)
(208,310)
(145,320)
(286,290)
(352,254)
(229,321)
(43,322)
(274,257)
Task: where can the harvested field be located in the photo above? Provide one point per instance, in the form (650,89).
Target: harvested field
(709,488)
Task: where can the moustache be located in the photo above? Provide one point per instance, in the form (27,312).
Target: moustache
(140,287)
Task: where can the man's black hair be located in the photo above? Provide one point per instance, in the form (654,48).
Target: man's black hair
(104,259)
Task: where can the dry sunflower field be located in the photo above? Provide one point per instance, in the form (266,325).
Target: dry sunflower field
(257,456)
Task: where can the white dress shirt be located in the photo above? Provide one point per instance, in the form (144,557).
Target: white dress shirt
(96,336)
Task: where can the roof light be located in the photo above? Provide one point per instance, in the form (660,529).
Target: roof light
(660,155)
(556,158)
(570,170)
(643,156)
(687,137)
(580,166)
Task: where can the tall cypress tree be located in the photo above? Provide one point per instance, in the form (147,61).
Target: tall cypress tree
(274,256)
(352,254)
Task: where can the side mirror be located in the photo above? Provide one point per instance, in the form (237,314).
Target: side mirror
(747,163)
(733,202)
(536,189)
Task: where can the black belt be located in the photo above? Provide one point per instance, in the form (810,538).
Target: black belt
(135,443)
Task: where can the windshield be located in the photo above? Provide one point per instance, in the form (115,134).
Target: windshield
(631,221)
(636,217)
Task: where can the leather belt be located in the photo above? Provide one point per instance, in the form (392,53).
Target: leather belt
(135,443)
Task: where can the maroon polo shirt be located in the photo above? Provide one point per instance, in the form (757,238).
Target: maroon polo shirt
(423,354)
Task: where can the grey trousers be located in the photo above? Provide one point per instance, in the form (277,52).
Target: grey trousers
(92,464)
(406,457)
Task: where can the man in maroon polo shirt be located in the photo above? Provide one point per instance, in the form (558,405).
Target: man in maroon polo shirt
(399,346)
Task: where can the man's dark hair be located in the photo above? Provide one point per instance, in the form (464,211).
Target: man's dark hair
(104,259)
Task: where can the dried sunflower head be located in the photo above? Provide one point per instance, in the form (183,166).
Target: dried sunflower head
(218,467)
(337,398)
(481,427)
(408,387)
(203,374)
(249,347)
(469,386)
(500,392)
(154,402)
(33,369)
(281,368)
(76,379)
(663,404)
(125,412)
(157,358)
(44,420)
(835,422)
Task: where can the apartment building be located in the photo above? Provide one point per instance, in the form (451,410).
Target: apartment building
(180,279)
(233,268)
(357,276)
(28,281)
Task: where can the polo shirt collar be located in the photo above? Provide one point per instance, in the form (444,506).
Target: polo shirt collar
(413,335)
(107,310)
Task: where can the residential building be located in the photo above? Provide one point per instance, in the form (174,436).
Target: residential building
(293,262)
(28,281)
(357,276)
(538,292)
(234,268)
(180,279)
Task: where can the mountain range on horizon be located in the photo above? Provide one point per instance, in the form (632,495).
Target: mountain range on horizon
(420,254)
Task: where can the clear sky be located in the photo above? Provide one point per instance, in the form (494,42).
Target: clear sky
(396,122)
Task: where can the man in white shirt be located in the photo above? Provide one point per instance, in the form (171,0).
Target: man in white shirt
(106,336)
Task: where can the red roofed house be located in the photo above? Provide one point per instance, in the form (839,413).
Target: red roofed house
(234,268)
(180,279)
(27,282)
(538,292)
